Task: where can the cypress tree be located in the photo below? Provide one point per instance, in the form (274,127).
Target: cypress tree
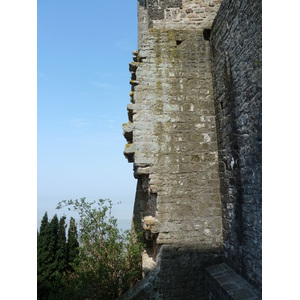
(52,247)
(55,257)
(42,244)
(61,253)
(59,266)
(72,244)
(42,258)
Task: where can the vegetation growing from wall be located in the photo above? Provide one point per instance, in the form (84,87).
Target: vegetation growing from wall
(97,262)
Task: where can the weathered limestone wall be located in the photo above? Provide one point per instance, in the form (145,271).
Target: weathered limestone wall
(174,136)
(194,136)
(175,14)
(172,133)
(236,65)
(172,142)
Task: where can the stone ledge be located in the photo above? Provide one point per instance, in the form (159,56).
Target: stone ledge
(127,131)
(129,152)
(224,283)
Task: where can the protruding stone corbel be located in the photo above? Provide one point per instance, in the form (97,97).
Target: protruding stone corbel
(131,112)
(137,57)
(129,152)
(133,66)
(143,170)
(127,131)
(131,94)
(133,83)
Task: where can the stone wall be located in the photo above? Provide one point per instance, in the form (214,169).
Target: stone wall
(194,136)
(180,274)
(174,136)
(172,132)
(175,14)
(223,283)
(236,66)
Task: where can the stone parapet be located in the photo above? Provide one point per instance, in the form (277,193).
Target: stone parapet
(224,283)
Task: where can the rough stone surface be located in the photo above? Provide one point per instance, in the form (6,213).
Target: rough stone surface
(236,65)
(194,136)
(224,283)
(180,274)
(175,14)
(174,137)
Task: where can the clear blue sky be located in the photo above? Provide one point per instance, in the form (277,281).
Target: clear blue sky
(83,52)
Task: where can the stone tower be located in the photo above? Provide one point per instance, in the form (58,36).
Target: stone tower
(173,144)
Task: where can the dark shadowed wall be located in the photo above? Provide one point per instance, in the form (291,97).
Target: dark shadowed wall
(236,54)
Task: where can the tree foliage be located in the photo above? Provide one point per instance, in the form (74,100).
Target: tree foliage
(52,259)
(72,244)
(109,261)
(98,261)
(42,257)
